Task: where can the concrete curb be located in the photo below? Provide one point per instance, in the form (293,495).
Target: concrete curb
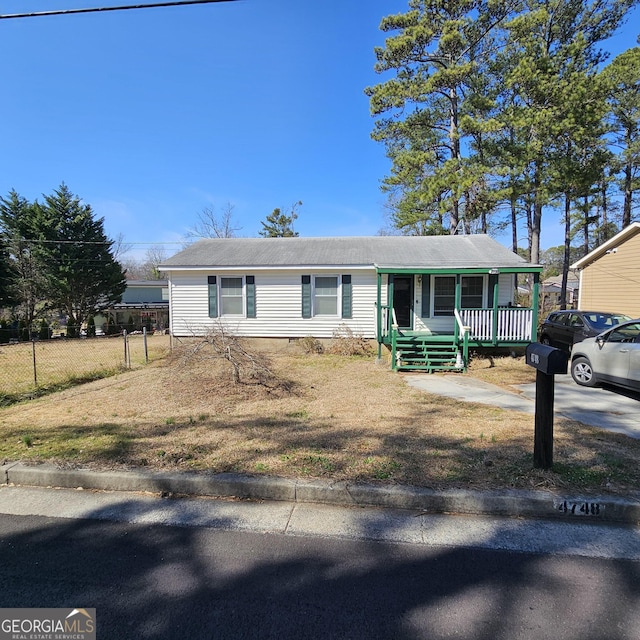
(512,503)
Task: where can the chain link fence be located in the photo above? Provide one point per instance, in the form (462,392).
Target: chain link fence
(31,366)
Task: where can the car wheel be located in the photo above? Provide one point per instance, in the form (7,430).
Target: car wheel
(582,372)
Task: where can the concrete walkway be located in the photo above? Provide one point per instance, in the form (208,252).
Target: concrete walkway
(605,408)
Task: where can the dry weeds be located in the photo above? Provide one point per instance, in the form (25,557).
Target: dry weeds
(335,417)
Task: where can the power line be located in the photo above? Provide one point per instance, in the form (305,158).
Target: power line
(57,12)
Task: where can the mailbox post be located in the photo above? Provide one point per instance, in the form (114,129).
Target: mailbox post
(547,361)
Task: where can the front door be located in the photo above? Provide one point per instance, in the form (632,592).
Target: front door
(403,301)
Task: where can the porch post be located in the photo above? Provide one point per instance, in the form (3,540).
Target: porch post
(494,323)
(457,303)
(379,315)
(390,303)
(534,307)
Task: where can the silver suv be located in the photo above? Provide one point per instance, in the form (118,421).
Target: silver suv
(612,357)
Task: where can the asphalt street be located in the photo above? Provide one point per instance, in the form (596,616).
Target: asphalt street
(199,568)
(607,407)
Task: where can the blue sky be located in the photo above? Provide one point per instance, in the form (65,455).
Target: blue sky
(152,115)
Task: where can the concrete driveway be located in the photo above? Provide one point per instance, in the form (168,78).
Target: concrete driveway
(607,408)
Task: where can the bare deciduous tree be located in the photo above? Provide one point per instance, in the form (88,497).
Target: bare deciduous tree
(213,224)
(120,247)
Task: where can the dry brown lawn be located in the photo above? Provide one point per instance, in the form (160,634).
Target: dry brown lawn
(328,416)
(53,362)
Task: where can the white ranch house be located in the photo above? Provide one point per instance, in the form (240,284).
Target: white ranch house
(428,298)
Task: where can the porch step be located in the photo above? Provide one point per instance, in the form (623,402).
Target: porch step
(426,353)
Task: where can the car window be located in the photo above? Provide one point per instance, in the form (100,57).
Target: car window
(558,318)
(575,320)
(604,321)
(626,333)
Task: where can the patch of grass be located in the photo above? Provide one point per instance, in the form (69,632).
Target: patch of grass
(302,414)
(323,462)
(579,475)
(386,469)
(68,382)
(63,364)
(393,435)
(504,371)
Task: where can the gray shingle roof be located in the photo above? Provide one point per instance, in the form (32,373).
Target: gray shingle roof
(424,252)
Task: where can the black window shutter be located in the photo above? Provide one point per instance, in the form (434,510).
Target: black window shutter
(213,296)
(347,297)
(251,296)
(306,296)
(426,295)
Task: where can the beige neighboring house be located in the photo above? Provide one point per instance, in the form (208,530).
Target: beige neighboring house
(610,274)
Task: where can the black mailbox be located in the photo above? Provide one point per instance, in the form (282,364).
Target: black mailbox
(547,359)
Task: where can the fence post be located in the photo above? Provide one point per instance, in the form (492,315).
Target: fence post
(35,371)
(144,341)
(124,335)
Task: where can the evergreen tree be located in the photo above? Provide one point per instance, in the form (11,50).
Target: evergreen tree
(432,129)
(551,47)
(623,75)
(7,277)
(25,281)
(279,224)
(497,102)
(81,274)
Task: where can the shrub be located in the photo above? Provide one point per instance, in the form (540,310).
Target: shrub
(91,327)
(309,344)
(346,343)
(24,331)
(44,332)
(5,332)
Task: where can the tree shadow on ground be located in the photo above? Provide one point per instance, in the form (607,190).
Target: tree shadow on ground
(162,582)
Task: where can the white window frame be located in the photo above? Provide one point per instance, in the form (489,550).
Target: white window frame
(243,296)
(338,296)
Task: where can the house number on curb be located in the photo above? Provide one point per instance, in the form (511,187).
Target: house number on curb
(579,508)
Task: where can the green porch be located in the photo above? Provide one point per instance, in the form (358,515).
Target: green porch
(430,319)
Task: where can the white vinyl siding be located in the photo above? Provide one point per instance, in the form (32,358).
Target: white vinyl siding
(506,290)
(278,305)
